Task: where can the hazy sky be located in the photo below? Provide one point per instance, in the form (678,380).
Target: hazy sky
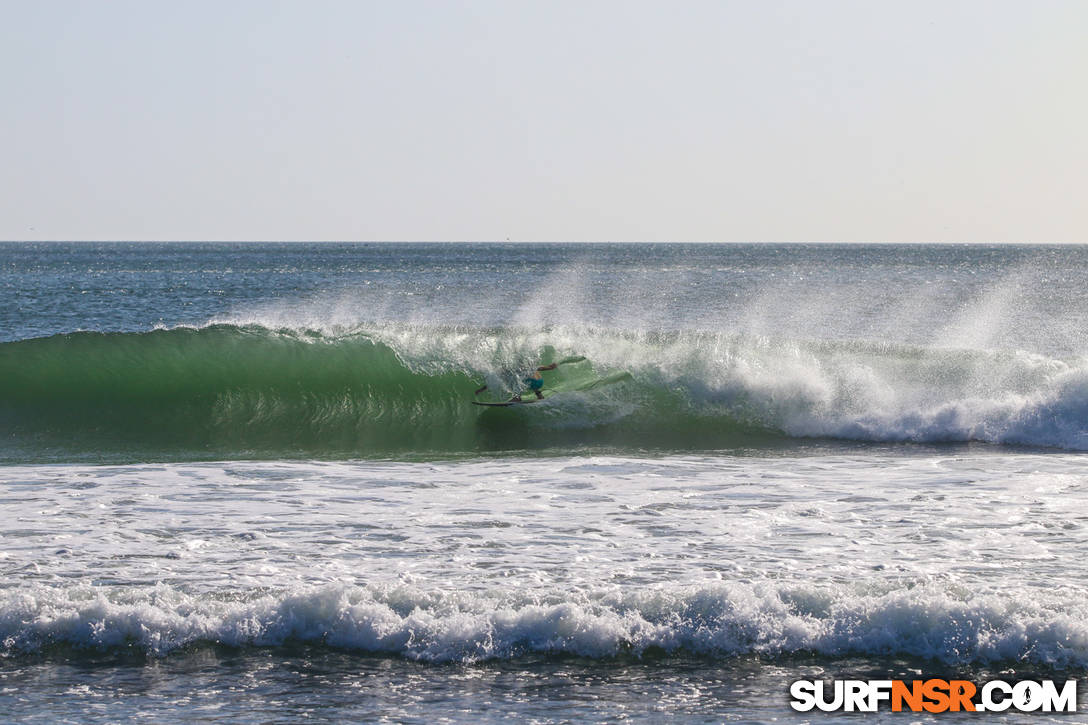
(594,120)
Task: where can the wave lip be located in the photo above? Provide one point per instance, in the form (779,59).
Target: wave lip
(719,620)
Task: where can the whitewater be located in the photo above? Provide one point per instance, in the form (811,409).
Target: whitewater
(246,482)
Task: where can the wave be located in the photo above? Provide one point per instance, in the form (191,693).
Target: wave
(717,620)
(231,391)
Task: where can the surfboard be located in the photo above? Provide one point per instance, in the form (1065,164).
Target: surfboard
(526,398)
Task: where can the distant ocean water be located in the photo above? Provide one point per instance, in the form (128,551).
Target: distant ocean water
(246,482)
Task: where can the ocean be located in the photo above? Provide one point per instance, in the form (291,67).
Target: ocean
(247,482)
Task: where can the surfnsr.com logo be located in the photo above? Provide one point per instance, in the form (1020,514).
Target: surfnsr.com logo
(933,695)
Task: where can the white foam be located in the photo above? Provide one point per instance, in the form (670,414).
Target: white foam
(723,619)
(963,558)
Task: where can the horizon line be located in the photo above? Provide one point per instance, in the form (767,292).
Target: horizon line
(517,241)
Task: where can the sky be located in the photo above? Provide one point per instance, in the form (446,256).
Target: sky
(552,120)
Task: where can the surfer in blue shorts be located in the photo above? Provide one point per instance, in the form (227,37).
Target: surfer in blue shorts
(536,380)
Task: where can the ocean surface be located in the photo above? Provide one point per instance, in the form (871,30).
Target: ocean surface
(247,483)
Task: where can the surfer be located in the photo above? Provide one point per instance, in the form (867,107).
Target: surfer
(536,380)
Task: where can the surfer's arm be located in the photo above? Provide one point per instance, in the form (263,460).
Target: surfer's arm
(553,366)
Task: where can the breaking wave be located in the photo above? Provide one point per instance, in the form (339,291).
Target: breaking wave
(718,620)
(229,391)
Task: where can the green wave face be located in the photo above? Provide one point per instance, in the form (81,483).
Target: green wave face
(225,391)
